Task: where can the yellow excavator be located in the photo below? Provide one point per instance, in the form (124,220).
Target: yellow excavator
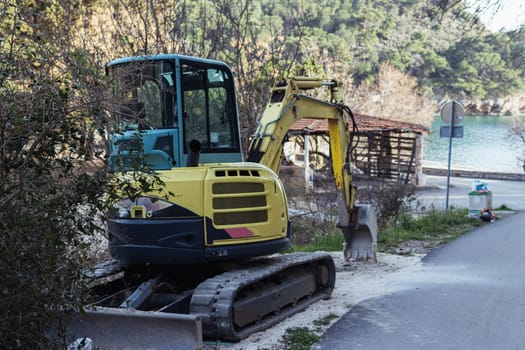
(196,256)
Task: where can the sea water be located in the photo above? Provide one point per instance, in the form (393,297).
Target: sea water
(487,144)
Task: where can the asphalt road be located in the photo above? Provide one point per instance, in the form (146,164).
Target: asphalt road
(510,193)
(468,294)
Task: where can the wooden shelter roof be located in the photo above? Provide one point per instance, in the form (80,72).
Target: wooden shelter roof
(364,123)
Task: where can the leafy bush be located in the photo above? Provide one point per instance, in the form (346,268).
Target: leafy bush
(391,200)
(49,201)
(48,212)
(309,236)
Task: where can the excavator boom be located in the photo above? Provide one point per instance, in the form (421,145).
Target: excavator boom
(289,103)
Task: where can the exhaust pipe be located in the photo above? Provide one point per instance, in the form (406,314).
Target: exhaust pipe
(194,153)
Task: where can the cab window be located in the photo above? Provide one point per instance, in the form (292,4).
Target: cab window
(209,108)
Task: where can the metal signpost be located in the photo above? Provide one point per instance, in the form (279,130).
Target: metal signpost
(452,113)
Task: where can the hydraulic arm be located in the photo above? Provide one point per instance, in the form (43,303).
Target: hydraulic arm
(289,103)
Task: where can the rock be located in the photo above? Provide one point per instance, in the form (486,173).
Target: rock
(81,344)
(508,106)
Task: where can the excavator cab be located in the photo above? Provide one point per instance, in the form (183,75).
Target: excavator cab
(167,105)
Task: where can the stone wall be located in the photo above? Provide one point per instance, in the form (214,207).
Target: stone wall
(474,174)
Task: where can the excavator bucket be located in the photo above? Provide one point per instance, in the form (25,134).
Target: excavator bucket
(113,328)
(361,235)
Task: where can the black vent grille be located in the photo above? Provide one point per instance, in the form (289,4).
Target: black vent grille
(239,203)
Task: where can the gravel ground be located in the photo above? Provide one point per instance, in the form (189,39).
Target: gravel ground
(355,282)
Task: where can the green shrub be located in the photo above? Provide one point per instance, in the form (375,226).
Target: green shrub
(299,338)
(48,202)
(435,226)
(309,236)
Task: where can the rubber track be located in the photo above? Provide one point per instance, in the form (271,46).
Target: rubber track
(213,298)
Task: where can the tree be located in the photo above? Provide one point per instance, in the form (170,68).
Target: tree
(48,202)
(476,70)
(396,96)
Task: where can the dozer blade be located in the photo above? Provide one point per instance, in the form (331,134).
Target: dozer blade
(113,328)
(361,235)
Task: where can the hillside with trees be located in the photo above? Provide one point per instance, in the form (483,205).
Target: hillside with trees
(448,54)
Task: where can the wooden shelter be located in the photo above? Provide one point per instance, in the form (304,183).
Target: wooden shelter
(381,148)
